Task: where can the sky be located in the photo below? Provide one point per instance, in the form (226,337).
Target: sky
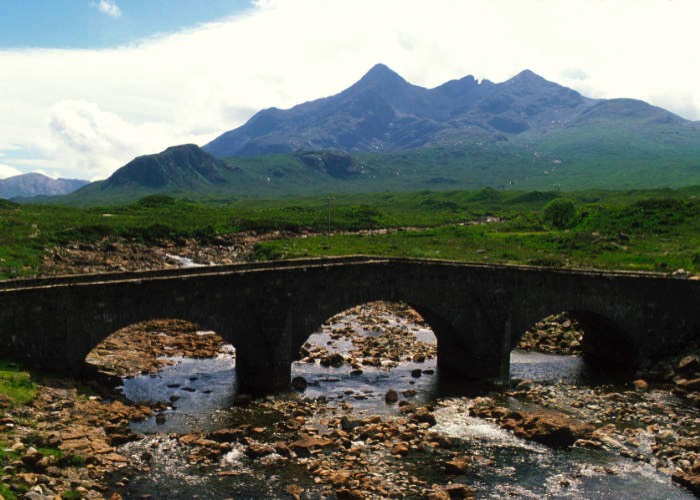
(87,85)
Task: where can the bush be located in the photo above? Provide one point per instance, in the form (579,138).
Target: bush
(559,213)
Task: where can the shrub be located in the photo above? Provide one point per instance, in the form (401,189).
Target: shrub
(559,213)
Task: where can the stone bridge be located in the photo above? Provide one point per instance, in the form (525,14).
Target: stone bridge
(268,310)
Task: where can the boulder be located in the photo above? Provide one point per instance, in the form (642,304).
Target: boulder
(304,446)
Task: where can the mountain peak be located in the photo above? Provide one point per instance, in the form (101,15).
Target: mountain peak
(180,166)
(527,76)
(380,74)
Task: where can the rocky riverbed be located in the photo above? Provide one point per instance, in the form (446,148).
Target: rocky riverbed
(120,254)
(340,443)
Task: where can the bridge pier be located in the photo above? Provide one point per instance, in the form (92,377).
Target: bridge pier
(259,375)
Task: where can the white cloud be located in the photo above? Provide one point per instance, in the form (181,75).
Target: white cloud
(8,171)
(108,7)
(83,113)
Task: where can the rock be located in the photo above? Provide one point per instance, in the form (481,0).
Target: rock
(641,385)
(295,491)
(457,466)
(299,384)
(257,450)
(423,415)
(691,385)
(32,457)
(348,494)
(334,359)
(160,418)
(391,396)
(459,491)
(348,424)
(340,478)
(553,429)
(689,365)
(416,373)
(400,448)
(549,428)
(304,446)
(690,481)
(524,385)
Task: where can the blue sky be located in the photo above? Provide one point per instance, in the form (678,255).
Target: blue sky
(87,85)
(103,23)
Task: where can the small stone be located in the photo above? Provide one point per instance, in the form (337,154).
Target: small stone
(160,418)
(400,449)
(416,373)
(689,365)
(457,466)
(688,385)
(299,384)
(334,359)
(456,491)
(641,385)
(295,491)
(391,396)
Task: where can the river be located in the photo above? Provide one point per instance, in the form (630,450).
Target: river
(202,395)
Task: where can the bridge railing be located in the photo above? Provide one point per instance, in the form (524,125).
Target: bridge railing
(67,280)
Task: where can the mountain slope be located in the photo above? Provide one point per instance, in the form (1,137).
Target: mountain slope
(185,168)
(383,112)
(35,184)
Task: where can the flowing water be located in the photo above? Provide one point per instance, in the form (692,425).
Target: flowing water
(201,392)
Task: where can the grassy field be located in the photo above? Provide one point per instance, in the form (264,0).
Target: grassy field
(638,229)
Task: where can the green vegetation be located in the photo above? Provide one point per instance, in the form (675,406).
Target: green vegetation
(16,387)
(638,229)
(559,213)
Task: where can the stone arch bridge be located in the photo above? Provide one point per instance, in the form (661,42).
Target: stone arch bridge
(268,310)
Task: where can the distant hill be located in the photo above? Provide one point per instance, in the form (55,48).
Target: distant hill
(185,168)
(26,185)
(385,134)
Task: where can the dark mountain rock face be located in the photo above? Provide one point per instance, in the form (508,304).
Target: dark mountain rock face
(27,185)
(383,112)
(185,166)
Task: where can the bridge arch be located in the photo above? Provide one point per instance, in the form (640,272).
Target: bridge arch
(604,344)
(458,319)
(137,348)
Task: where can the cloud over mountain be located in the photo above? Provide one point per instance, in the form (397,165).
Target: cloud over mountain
(195,84)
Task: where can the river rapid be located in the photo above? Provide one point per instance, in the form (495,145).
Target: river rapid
(343,397)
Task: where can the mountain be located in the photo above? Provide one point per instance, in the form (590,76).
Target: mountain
(178,169)
(385,134)
(383,112)
(34,184)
